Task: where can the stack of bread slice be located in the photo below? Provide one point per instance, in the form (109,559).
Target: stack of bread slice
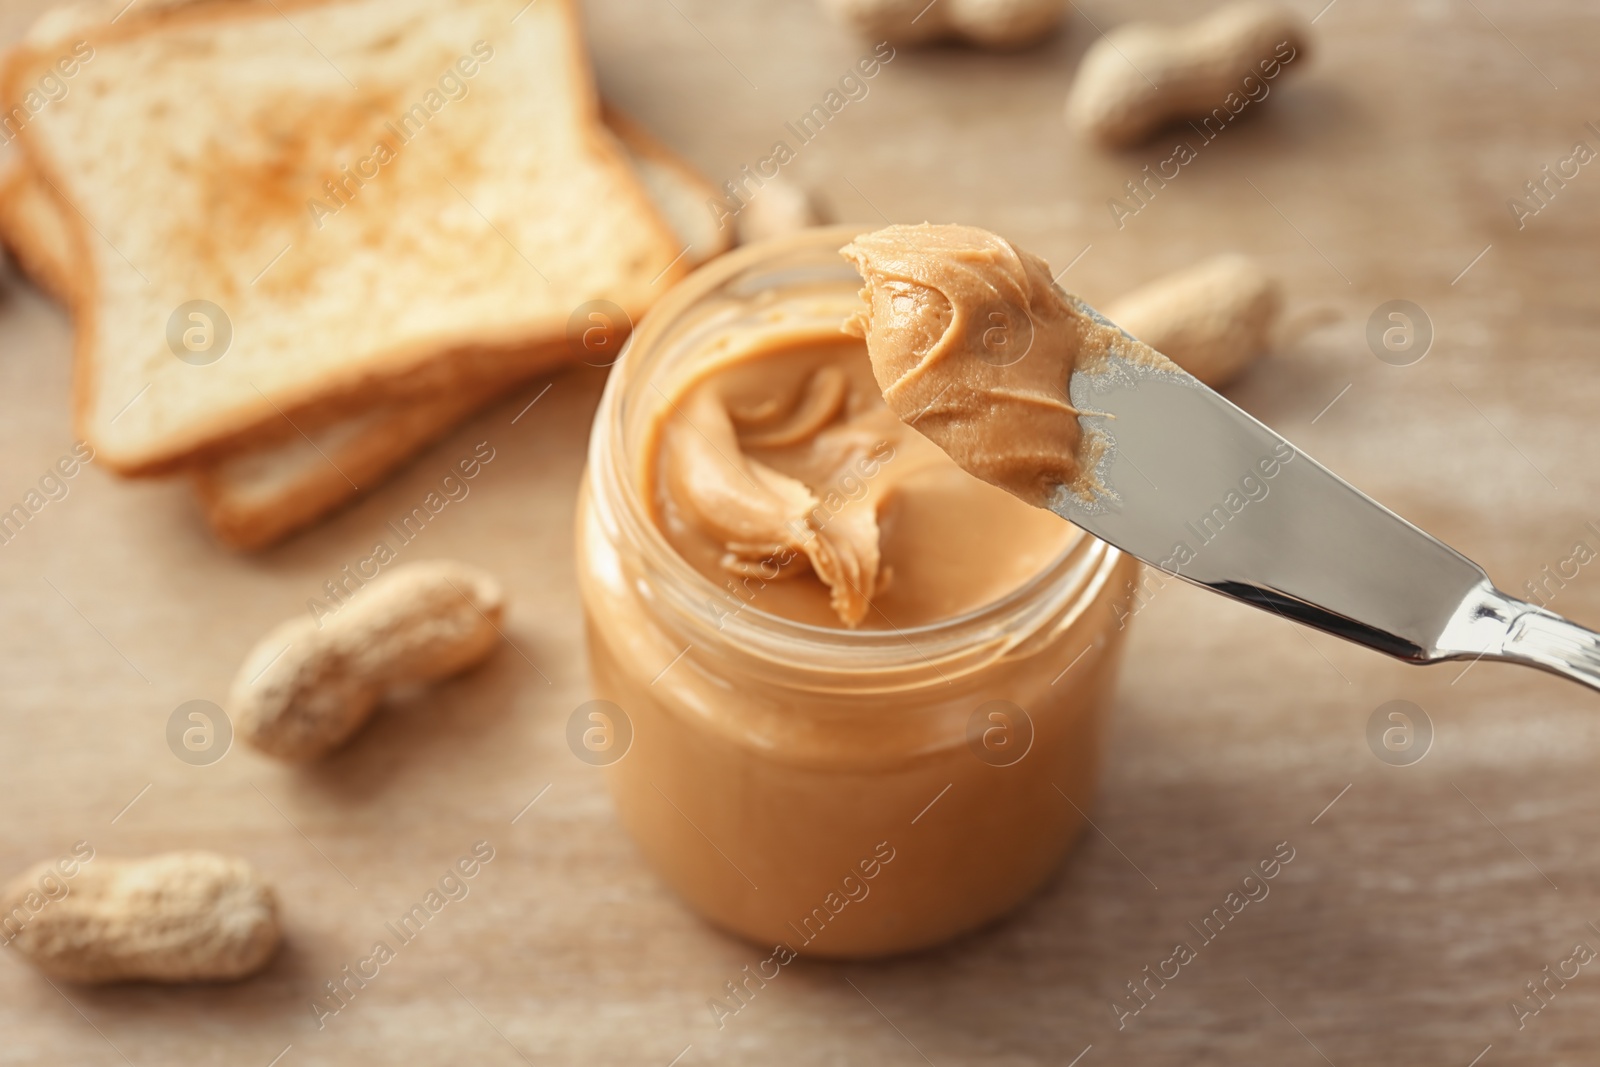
(390,211)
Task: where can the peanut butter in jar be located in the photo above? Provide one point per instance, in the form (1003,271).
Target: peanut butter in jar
(865,689)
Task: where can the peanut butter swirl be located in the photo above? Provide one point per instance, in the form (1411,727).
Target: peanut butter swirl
(973,345)
(780,473)
(767,521)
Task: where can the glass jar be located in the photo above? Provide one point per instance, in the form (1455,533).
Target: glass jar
(841,793)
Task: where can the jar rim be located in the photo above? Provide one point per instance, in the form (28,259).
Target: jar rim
(1070,581)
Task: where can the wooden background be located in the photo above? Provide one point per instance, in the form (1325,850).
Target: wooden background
(1416,907)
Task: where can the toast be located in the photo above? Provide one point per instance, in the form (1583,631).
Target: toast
(40,239)
(678,190)
(256,497)
(32,229)
(31,226)
(430,228)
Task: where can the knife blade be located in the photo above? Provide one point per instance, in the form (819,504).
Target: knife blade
(1193,485)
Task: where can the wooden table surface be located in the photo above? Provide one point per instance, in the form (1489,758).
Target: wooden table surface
(1417,905)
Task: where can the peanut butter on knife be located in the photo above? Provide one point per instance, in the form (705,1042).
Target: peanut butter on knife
(973,344)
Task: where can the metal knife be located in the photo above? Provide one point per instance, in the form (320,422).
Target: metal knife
(1192,485)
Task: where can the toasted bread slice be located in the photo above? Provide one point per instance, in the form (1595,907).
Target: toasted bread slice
(257,497)
(74,18)
(39,237)
(678,190)
(32,228)
(31,224)
(371,219)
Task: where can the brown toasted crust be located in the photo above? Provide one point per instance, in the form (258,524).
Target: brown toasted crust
(395,437)
(644,143)
(410,370)
(370,457)
(19,222)
(398,435)
(23,197)
(248,525)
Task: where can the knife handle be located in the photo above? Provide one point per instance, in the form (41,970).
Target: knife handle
(1541,638)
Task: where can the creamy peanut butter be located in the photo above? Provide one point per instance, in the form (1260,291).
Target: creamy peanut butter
(973,343)
(826,791)
(782,476)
